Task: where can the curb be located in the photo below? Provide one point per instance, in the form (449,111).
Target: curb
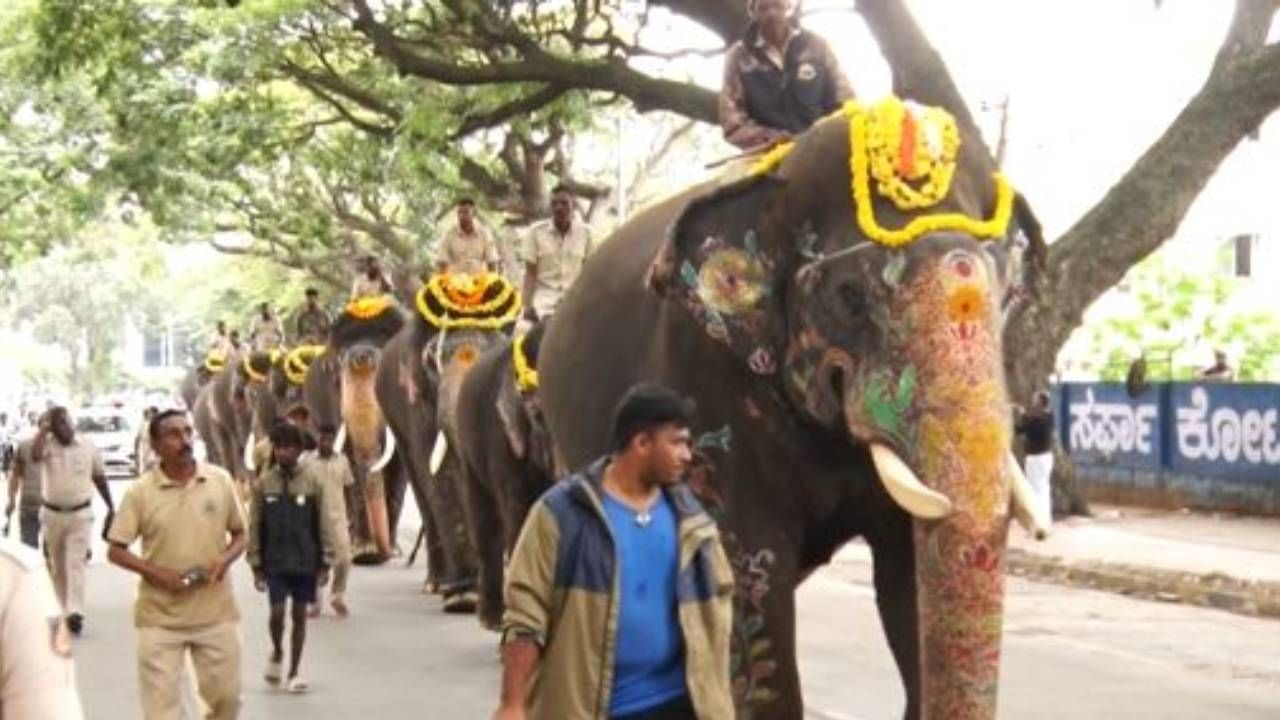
(1212,590)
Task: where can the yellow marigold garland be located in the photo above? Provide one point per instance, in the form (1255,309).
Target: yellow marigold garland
(298,362)
(368,306)
(864,206)
(772,159)
(215,362)
(907,144)
(441,289)
(526,377)
(254,375)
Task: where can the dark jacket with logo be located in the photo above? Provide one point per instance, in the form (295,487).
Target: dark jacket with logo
(287,535)
(758,96)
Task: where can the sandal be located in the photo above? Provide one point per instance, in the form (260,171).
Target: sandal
(275,670)
(298,685)
(339,606)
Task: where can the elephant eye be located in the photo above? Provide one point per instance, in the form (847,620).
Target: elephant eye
(853,299)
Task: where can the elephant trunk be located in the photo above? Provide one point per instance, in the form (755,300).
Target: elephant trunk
(366,431)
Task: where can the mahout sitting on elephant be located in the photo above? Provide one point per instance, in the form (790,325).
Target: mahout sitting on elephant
(835,307)
(505,454)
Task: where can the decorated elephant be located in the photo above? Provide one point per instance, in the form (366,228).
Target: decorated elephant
(223,416)
(835,308)
(456,317)
(506,456)
(198,376)
(277,388)
(340,391)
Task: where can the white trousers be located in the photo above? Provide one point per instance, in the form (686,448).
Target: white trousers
(1039,470)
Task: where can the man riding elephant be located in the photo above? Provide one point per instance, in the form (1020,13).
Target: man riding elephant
(835,309)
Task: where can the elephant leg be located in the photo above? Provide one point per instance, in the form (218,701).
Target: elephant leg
(895,582)
(394,479)
(764,675)
(482,519)
(459,579)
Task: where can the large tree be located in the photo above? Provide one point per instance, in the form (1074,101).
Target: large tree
(516,76)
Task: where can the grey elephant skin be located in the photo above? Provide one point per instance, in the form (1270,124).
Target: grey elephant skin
(506,460)
(340,391)
(409,402)
(839,382)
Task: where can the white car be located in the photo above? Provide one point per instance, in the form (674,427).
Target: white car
(114,435)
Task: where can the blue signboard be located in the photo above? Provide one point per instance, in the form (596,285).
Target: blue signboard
(1103,425)
(1225,430)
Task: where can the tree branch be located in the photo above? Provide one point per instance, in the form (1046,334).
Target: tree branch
(501,114)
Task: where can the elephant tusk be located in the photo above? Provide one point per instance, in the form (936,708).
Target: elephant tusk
(248,454)
(438,451)
(388,449)
(340,441)
(1024,505)
(906,489)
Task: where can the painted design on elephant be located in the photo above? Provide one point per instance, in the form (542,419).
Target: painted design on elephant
(964,574)
(762,362)
(751,663)
(407,381)
(887,403)
(732,281)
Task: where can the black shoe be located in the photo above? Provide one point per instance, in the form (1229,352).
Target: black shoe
(75,623)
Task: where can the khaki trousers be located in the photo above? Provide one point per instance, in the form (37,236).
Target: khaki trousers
(341,567)
(215,656)
(66,540)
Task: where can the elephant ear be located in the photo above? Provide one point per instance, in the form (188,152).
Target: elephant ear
(511,413)
(721,261)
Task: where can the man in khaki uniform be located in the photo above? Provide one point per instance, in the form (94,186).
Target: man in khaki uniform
(554,253)
(266,332)
(467,247)
(192,529)
(333,470)
(37,678)
(72,469)
(25,478)
(371,282)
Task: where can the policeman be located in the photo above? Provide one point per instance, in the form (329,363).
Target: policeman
(37,678)
(72,469)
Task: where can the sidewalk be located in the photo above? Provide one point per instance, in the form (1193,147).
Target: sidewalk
(1213,560)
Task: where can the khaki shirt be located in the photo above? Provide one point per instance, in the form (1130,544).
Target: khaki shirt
(468,253)
(37,677)
(364,287)
(558,260)
(334,473)
(69,471)
(313,325)
(181,527)
(266,333)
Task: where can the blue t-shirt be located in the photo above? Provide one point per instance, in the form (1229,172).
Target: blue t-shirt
(649,657)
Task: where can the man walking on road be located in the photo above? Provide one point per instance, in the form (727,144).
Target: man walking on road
(72,469)
(333,470)
(25,479)
(1036,425)
(192,529)
(619,641)
(289,547)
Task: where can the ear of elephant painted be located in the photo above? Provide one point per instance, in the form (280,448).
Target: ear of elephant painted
(388,450)
(1024,505)
(340,440)
(249,464)
(438,451)
(905,488)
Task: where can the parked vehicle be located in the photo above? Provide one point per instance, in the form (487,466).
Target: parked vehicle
(112,431)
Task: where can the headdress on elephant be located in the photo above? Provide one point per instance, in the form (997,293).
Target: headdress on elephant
(350,328)
(297,362)
(483,301)
(215,361)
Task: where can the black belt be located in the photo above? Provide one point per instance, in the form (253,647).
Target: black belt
(73,508)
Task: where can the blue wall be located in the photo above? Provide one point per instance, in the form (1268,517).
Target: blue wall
(1210,445)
